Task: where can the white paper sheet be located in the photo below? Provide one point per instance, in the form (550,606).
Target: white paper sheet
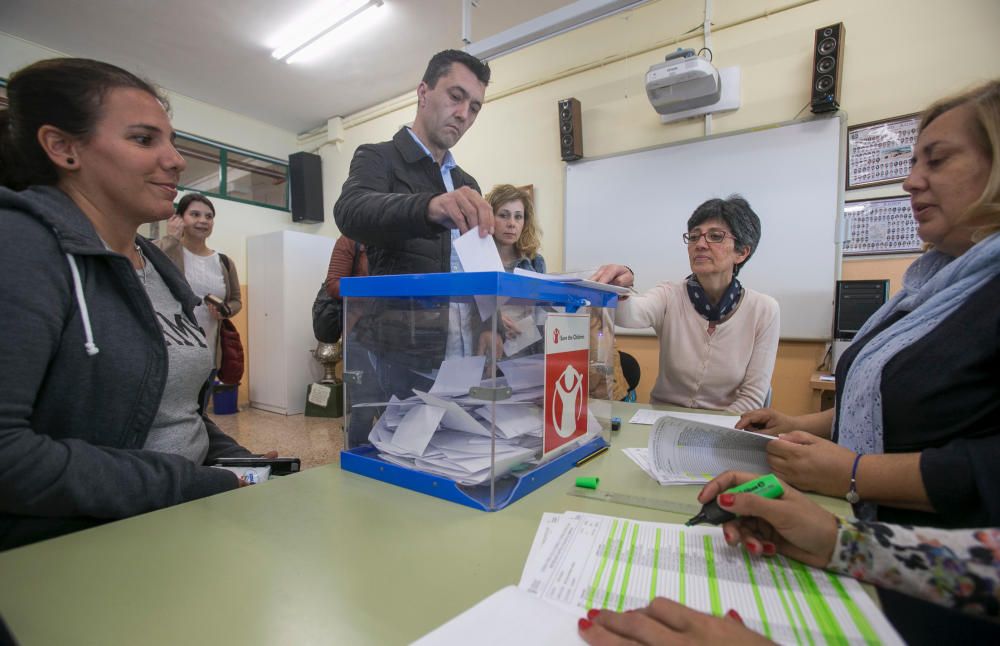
(571,278)
(415,431)
(454,417)
(695,451)
(480,254)
(509,616)
(648,416)
(477,254)
(513,421)
(456,375)
(527,333)
(641,458)
(591,561)
(524,372)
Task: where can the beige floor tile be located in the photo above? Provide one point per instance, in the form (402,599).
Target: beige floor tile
(314,440)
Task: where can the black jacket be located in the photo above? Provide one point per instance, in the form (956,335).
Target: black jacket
(384,205)
(73,422)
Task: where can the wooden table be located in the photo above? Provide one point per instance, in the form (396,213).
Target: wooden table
(823,391)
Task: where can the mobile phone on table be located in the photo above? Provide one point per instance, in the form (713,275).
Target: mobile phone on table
(218,304)
(279,466)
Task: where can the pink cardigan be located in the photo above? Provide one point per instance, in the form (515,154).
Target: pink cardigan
(727,370)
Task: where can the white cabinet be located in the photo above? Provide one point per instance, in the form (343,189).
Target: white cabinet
(284,272)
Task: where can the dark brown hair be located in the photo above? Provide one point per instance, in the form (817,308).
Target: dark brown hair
(185,202)
(62,92)
(440,64)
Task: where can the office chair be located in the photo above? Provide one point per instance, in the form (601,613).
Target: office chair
(632,372)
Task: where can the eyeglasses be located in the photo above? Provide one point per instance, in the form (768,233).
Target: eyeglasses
(714,236)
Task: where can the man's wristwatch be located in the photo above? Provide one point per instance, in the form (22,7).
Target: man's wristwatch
(852,493)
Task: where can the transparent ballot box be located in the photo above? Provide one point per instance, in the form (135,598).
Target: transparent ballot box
(475,387)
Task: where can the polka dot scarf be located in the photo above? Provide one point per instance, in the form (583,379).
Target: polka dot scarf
(705,308)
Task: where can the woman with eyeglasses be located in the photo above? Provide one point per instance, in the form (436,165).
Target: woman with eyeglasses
(718,339)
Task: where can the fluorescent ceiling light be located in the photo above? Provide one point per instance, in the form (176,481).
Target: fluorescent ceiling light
(309,31)
(576,14)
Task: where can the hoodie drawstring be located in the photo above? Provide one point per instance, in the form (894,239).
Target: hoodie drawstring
(88,332)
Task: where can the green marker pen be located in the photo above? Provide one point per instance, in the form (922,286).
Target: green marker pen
(767,486)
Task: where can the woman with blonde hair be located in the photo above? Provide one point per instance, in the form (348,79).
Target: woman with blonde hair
(516,233)
(915,433)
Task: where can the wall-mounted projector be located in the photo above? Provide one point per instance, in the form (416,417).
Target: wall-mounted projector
(682,82)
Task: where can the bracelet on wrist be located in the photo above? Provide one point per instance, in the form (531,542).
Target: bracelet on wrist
(852,493)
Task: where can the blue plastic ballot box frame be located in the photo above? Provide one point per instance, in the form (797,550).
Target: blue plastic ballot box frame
(377,296)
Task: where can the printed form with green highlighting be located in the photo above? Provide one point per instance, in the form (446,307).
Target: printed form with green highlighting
(590,561)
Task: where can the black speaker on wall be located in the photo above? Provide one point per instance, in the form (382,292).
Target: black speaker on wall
(305,175)
(828,63)
(570,130)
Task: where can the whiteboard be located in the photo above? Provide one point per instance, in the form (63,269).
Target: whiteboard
(633,208)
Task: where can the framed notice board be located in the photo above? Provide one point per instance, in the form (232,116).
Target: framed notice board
(880,226)
(879,152)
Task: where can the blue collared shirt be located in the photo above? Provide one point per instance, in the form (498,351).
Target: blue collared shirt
(460,338)
(447,164)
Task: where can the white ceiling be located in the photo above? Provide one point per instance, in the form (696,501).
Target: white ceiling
(217,51)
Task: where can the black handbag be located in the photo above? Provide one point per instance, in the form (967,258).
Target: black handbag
(328,316)
(328,312)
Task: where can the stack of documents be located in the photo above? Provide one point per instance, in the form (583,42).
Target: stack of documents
(447,433)
(591,561)
(692,448)
(582,561)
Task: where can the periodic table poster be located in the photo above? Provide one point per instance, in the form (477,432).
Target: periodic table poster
(879,152)
(877,226)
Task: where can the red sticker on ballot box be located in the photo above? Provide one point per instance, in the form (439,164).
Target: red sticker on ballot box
(567,354)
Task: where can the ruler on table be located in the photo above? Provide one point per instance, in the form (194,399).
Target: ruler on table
(672,506)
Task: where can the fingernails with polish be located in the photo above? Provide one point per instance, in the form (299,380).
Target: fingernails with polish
(729,537)
(593,612)
(584,624)
(770,549)
(732,614)
(753,548)
(727,499)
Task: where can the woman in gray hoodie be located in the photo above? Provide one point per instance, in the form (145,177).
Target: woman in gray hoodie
(103,368)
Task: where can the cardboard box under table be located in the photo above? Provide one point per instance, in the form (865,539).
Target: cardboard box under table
(474,387)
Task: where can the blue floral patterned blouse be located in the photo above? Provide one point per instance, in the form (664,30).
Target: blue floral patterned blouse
(959,568)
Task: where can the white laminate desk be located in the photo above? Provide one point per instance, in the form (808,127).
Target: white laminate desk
(321,557)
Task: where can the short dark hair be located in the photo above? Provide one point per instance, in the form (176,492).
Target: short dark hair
(63,92)
(185,202)
(441,62)
(735,211)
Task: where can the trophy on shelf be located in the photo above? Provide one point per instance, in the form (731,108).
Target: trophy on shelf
(325,398)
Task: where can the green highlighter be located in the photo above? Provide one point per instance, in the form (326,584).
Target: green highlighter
(767,486)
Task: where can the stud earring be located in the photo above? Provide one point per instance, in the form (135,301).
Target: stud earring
(70,161)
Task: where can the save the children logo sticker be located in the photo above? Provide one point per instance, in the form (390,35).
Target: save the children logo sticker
(567,355)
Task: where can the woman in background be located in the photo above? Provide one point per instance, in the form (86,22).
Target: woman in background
(210,273)
(718,339)
(518,239)
(517,235)
(104,365)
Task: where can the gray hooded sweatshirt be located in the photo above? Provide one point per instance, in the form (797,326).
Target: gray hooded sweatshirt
(83,365)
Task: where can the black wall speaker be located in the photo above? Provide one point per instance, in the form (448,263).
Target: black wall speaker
(828,61)
(305,175)
(570,130)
